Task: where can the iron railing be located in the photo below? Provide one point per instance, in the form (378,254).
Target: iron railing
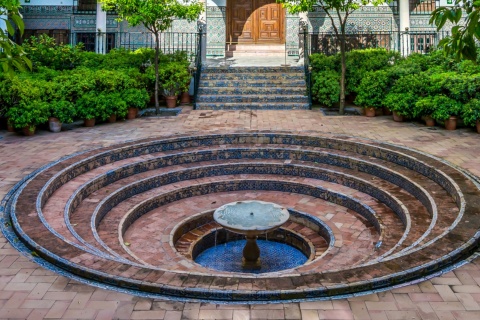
(170,42)
(413,41)
(197,69)
(306,62)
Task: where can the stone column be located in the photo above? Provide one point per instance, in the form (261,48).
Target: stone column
(404,28)
(101,38)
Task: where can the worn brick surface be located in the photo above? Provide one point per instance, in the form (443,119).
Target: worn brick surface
(27,291)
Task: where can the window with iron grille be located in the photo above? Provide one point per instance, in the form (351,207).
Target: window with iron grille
(422,43)
(89,38)
(61,36)
(423,6)
(85,6)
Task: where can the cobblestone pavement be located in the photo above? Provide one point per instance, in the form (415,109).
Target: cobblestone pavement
(29,292)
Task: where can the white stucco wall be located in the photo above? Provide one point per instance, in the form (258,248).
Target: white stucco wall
(47,3)
(216,3)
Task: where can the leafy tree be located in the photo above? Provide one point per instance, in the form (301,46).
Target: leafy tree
(463,38)
(157,16)
(12,55)
(340,9)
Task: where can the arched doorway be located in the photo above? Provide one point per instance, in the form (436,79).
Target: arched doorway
(255,22)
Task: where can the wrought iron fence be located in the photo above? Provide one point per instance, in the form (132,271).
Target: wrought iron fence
(197,69)
(404,42)
(306,63)
(169,42)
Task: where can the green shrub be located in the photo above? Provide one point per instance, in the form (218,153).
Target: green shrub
(401,103)
(326,88)
(471,112)
(28,114)
(372,89)
(110,103)
(445,107)
(359,62)
(135,98)
(424,106)
(43,51)
(63,110)
(320,63)
(174,78)
(86,106)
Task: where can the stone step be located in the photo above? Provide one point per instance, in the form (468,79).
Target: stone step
(236,70)
(248,98)
(253,76)
(253,83)
(252,106)
(250,90)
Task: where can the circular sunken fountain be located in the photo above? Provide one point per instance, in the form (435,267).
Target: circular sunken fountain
(367,215)
(251,218)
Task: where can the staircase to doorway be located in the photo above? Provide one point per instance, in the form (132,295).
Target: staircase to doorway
(252,88)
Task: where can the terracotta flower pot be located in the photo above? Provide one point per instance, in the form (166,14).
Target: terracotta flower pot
(29,130)
(54,124)
(132,113)
(370,112)
(185,98)
(397,117)
(451,123)
(386,111)
(112,118)
(429,121)
(89,122)
(478,126)
(171,101)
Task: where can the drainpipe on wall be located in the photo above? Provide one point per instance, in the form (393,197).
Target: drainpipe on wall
(101,38)
(404,15)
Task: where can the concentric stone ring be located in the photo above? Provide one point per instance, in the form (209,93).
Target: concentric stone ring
(373,215)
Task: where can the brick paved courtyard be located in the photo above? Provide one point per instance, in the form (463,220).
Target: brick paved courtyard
(30,292)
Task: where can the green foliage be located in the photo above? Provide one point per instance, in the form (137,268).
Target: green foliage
(462,42)
(155,15)
(326,88)
(110,103)
(12,55)
(28,113)
(445,107)
(43,51)
(86,106)
(321,62)
(135,98)
(359,62)
(372,89)
(402,103)
(63,110)
(425,106)
(471,112)
(118,59)
(174,78)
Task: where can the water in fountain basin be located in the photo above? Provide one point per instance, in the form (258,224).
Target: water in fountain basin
(274,256)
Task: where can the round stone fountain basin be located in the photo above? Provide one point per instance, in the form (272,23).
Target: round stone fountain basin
(251,218)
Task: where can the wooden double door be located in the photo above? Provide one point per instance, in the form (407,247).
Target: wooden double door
(255,21)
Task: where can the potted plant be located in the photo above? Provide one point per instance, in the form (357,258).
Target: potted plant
(111,105)
(174,78)
(27,115)
(471,113)
(447,110)
(135,99)
(424,109)
(402,105)
(371,91)
(87,108)
(61,111)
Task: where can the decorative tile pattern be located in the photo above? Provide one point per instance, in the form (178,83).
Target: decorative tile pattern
(216,30)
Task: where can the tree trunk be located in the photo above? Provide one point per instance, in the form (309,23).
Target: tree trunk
(157,53)
(343,62)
